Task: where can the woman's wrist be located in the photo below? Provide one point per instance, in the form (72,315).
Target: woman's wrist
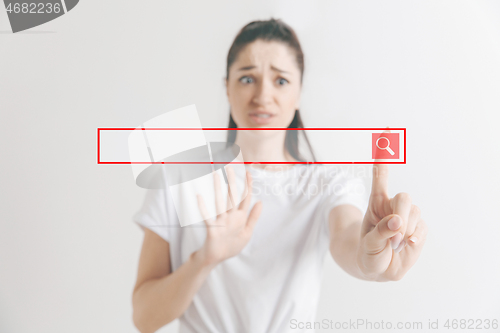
(201,258)
(364,274)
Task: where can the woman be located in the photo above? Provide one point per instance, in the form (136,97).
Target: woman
(257,267)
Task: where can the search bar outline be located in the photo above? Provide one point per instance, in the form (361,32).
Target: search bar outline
(371,129)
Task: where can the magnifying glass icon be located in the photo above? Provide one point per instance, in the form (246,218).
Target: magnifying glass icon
(385,148)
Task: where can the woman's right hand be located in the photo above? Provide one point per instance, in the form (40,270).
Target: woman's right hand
(231,231)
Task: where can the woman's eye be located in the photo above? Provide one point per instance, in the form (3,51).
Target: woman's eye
(282,81)
(246,79)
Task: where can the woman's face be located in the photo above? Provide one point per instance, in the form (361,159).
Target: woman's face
(264,85)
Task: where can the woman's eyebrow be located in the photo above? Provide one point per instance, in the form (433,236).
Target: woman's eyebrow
(252,67)
(279,70)
(246,68)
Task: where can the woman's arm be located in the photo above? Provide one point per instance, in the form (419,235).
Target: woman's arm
(345,229)
(160,296)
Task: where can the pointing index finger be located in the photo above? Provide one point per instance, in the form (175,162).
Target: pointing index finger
(380,176)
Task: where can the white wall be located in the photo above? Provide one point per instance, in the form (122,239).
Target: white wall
(68,247)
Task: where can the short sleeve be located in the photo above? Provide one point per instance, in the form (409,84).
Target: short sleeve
(343,189)
(158,214)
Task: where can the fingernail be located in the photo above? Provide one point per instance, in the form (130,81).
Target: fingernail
(394,223)
(400,247)
(413,239)
(395,241)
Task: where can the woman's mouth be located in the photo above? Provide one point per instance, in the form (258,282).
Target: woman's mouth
(261,118)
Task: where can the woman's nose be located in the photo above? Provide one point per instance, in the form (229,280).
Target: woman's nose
(263,93)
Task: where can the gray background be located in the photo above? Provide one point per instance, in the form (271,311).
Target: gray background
(68,247)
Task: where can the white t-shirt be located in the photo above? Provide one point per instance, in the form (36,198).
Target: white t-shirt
(277,276)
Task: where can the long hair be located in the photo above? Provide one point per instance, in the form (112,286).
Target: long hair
(271,30)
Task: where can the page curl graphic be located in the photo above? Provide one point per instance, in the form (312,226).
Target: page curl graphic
(185,167)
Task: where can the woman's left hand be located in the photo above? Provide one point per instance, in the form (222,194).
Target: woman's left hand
(392,233)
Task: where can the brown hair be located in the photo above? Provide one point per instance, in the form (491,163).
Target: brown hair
(271,30)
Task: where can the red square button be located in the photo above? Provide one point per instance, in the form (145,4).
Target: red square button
(385,145)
